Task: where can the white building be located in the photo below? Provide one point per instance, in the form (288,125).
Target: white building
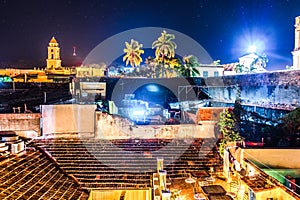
(252,63)
(296,51)
(211,70)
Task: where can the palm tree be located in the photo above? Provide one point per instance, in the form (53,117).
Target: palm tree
(171,66)
(189,68)
(216,62)
(152,67)
(133,53)
(259,63)
(165,47)
(239,68)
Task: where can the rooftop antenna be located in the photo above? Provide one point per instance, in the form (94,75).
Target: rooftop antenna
(74,51)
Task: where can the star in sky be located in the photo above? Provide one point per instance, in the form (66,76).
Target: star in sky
(224,28)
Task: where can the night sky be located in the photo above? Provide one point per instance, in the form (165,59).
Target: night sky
(224,28)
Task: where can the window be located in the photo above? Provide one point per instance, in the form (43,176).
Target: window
(205,73)
(216,74)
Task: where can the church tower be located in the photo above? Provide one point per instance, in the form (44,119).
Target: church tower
(296,52)
(53,60)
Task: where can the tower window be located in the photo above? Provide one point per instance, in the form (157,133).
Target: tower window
(51,50)
(51,56)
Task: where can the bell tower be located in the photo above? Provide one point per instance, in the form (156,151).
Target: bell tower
(53,60)
(296,51)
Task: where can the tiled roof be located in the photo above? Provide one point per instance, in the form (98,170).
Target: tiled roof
(53,40)
(33,176)
(126,164)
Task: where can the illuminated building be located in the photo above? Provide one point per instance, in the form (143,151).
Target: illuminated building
(53,69)
(53,60)
(53,72)
(90,177)
(211,70)
(296,52)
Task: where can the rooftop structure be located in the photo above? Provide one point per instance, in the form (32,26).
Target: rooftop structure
(121,167)
(32,175)
(53,60)
(296,51)
(110,157)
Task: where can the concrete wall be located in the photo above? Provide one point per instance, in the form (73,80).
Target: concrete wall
(70,118)
(110,127)
(282,87)
(74,118)
(24,124)
(274,158)
(209,114)
(264,94)
(116,194)
(277,193)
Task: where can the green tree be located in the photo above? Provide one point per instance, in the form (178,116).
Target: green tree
(229,130)
(239,68)
(189,67)
(291,121)
(165,48)
(216,62)
(153,67)
(238,109)
(259,63)
(133,53)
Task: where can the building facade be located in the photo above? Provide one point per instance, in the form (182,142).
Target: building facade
(211,70)
(53,60)
(296,51)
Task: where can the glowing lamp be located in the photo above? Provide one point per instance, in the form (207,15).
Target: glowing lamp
(252,49)
(138,112)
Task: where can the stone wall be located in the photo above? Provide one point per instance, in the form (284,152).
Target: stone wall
(282,87)
(112,127)
(24,124)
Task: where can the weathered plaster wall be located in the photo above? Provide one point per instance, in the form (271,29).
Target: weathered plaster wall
(275,158)
(277,193)
(69,118)
(277,87)
(109,127)
(25,124)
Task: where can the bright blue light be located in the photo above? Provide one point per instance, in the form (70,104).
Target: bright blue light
(253,41)
(138,113)
(254,46)
(152,88)
(258,46)
(252,49)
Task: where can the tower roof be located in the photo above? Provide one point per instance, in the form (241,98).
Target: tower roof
(53,40)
